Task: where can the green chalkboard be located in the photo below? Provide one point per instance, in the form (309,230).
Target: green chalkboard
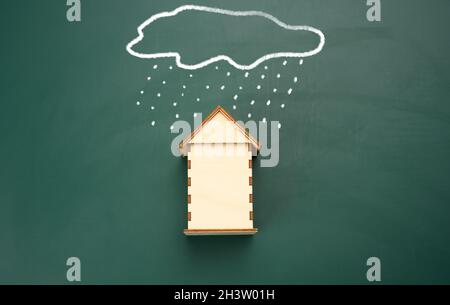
(364,167)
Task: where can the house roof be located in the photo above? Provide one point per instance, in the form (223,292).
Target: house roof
(219,110)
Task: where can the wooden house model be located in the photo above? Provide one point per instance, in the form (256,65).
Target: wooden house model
(219,198)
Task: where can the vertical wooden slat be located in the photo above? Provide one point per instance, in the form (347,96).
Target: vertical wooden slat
(189,164)
(189,181)
(250,163)
(189,198)
(250,181)
(189,216)
(251,215)
(247,132)
(250,198)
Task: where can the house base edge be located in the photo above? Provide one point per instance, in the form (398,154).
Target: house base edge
(220,231)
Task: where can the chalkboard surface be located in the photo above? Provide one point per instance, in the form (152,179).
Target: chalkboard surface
(364,166)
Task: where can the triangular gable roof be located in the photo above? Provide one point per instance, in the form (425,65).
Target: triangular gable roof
(220,111)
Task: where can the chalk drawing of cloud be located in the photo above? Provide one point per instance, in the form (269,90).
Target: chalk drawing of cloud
(214,59)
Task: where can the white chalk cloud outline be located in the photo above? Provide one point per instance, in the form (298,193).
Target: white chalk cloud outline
(209,61)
